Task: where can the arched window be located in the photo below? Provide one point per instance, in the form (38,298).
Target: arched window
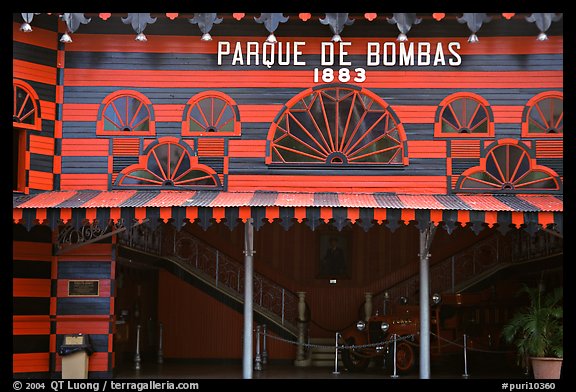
(544,115)
(508,167)
(26,113)
(169,165)
(125,113)
(211,113)
(336,125)
(464,115)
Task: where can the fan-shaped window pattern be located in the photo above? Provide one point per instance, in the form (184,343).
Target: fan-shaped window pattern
(337,125)
(211,113)
(168,165)
(544,115)
(126,113)
(508,168)
(26,106)
(464,115)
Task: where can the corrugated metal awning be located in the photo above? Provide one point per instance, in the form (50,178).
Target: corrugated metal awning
(311,207)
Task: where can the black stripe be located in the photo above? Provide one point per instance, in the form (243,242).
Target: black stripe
(34,54)
(40,162)
(207,62)
(84,270)
(45,91)
(25,344)
(37,234)
(31,269)
(279,96)
(417,167)
(30,306)
(83,306)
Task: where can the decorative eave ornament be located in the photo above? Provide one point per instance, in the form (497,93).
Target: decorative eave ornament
(139,23)
(25,27)
(337,21)
(543,22)
(205,22)
(73,21)
(271,22)
(474,22)
(404,21)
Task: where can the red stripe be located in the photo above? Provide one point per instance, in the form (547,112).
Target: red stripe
(109,199)
(166,213)
(183,44)
(41,214)
(91,214)
(218,213)
(365,200)
(244,213)
(192,213)
(169,198)
(380,215)
(421,202)
(353,214)
(17,215)
(325,213)
(545,218)
(544,202)
(48,199)
(300,213)
(407,215)
(65,214)
(232,199)
(114,214)
(303,79)
(436,216)
(517,218)
(272,213)
(484,203)
(140,213)
(463,216)
(491,218)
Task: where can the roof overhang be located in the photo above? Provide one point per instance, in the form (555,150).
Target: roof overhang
(339,208)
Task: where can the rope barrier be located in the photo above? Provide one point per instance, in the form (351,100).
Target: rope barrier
(340,347)
(449,342)
(407,338)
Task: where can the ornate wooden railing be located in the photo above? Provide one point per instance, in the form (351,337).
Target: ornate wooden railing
(476,262)
(215,267)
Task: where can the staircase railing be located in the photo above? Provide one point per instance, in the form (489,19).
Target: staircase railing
(485,256)
(221,270)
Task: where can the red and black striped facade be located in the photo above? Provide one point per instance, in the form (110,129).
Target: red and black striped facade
(76,169)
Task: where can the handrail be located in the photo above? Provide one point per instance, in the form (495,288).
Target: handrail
(491,253)
(221,269)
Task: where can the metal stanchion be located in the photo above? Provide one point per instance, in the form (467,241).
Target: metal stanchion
(395,374)
(264,350)
(336,356)
(465,375)
(258,364)
(160,358)
(137,359)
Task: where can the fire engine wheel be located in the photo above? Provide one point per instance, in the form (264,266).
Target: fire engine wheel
(352,360)
(405,357)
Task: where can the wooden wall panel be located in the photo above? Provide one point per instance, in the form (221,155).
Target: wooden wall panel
(34,62)
(198,326)
(88,315)
(31,292)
